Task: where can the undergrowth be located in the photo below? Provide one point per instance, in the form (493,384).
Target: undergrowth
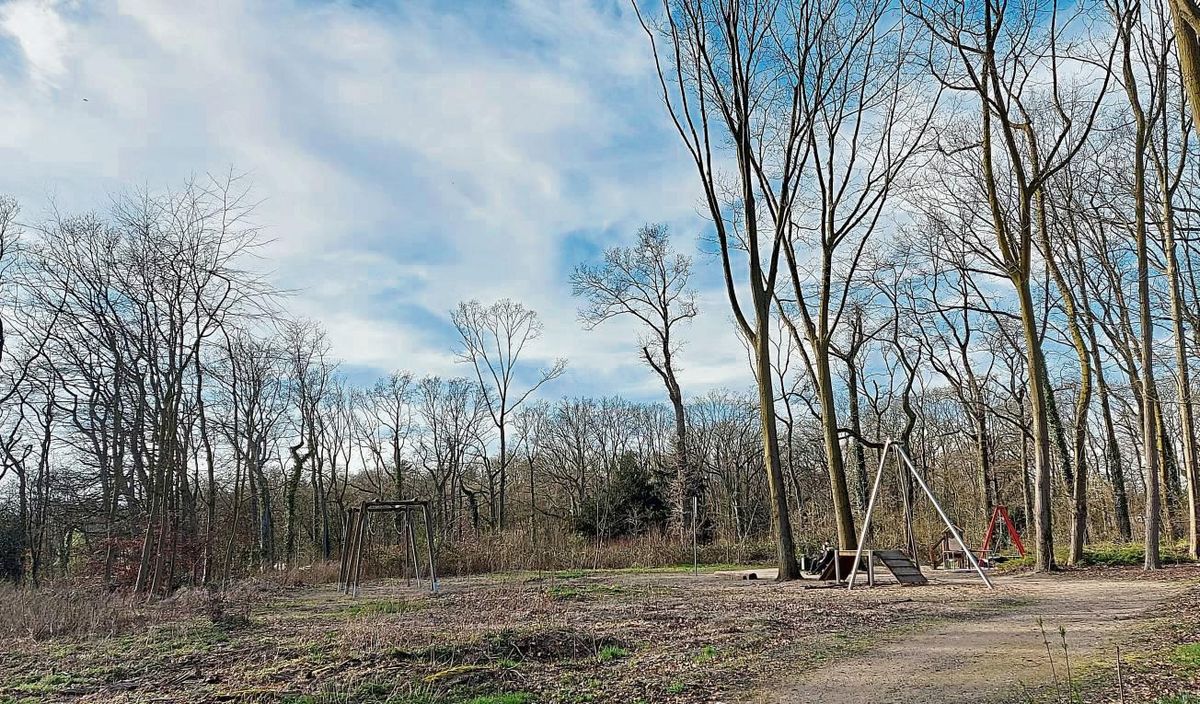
(1109,555)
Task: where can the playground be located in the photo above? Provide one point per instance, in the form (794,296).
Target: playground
(880,623)
(626,636)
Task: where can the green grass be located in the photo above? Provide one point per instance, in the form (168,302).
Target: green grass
(707,654)
(379,606)
(610,653)
(1187,655)
(508,698)
(1131,554)
(1108,555)
(46,684)
(704,568)
(676,687)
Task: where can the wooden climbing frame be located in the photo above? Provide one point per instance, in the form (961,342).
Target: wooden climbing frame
(356,526)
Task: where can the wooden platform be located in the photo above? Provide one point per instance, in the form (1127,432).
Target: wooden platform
(840,569)
(905,570)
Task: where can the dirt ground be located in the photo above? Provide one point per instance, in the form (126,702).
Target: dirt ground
(661,636)
(997,657)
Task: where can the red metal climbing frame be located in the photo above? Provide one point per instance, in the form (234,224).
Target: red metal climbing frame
(1001,513)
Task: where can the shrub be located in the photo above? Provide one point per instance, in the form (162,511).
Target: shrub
(1131,554)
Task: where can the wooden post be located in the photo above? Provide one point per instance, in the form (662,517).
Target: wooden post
(411,547)
(695,544)
(429,545)
(348,526)
(356,566)
(355,530)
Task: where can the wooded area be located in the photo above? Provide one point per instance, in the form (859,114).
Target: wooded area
(970,229)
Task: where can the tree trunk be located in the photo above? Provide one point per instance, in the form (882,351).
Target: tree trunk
(844,517)
(1043,518)
(862,485)
(789,568)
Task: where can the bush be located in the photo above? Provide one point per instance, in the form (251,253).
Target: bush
(12,546)
(1132,554)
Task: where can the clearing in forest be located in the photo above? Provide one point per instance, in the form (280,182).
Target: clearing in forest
(661,636)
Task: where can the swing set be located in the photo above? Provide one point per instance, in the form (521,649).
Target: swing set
(359,528)
(905,570)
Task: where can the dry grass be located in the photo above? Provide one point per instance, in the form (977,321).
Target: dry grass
(64,611)
(555,637)
(319,572)
(514,551)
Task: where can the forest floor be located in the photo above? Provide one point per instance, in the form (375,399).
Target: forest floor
(626,636)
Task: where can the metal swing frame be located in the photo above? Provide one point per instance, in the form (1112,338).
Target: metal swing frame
(902,454)
(356,528)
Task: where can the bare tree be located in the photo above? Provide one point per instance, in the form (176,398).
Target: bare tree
(493,338)
(1010,55)
(649,282)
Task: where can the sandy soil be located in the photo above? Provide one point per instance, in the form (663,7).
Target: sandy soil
(990,657)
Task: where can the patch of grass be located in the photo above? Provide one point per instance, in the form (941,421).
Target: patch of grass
(330,697)
(1130,554)
(46,684)
(1178,699)
(1187,655)
(373,689)
(1106,555)
(707,654)
(610,653)
(676,687)
(372,607)
(507,698)
(1016,564)
(411,698)
(189,640)
(581,591)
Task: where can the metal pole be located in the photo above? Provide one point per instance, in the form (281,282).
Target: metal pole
(862,538)
(695,544)
(953,531)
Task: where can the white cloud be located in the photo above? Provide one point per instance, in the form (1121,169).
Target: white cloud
(407,159)
(41,33)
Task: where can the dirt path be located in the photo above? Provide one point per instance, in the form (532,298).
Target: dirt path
(985,659)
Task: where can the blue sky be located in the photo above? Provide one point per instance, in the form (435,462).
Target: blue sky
(408,156)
